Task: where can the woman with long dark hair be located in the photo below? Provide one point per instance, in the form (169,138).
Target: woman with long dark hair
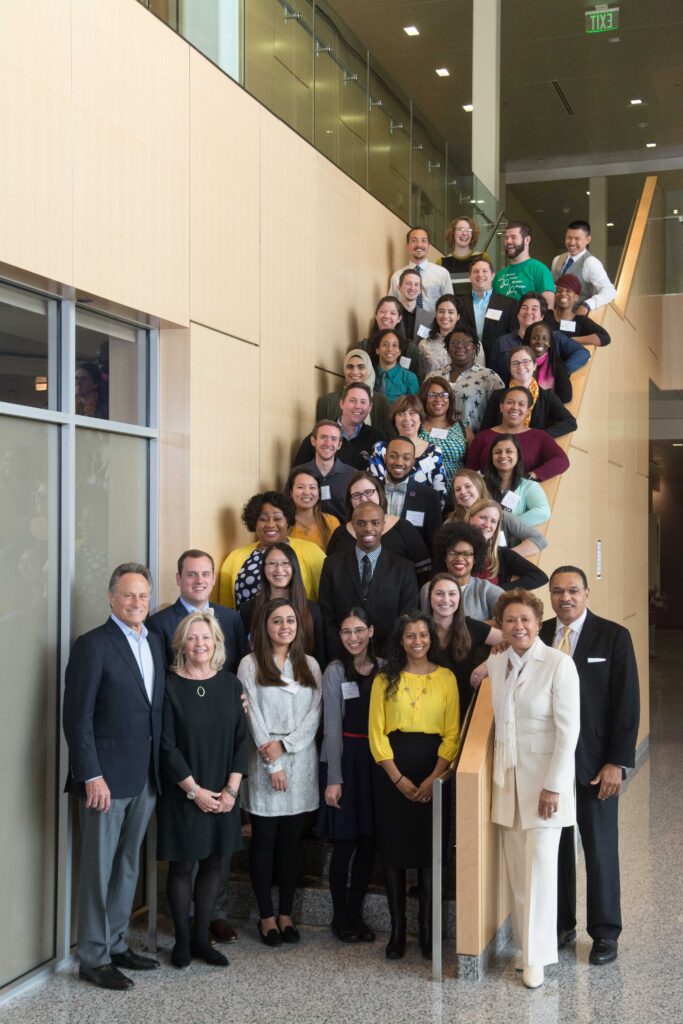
(347,816)
(311,522)
(505,479)
(283,687)
(414,726)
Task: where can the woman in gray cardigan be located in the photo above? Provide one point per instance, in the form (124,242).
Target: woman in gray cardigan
(347,816)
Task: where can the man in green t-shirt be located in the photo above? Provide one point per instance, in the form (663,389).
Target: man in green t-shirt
(523,274)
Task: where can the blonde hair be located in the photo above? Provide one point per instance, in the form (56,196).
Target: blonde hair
(180,639)
(492,562)
(459,514)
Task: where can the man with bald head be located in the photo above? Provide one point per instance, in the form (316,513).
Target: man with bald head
(385,585)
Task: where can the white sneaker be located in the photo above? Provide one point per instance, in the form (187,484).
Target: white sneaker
(532,976)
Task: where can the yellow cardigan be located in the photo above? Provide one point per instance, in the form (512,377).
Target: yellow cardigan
(409,709)
(310,557)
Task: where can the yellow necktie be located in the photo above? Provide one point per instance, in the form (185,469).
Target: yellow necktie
(565,643)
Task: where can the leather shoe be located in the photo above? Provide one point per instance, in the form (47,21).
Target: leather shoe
(604,951)
(345,932)
(208,954)
(222,931)
(533,977)
(133,961)
(106,976)
(365,933)
(396,947)
(565,936)
(290,934)
(180,955)
(270,938)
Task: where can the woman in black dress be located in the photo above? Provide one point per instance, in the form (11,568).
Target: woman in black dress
(347,814)
(203,759)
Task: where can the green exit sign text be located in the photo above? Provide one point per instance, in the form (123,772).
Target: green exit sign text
(605,19)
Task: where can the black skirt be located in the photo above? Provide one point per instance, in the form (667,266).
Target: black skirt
(404,828)
(355,815)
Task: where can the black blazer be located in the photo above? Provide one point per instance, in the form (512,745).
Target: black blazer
(165,623)
(493,329)
(110,726)
(547,414)
(424,504)
(393,590)
(610,695)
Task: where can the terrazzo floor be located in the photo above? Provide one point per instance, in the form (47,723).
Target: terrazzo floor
(321,981)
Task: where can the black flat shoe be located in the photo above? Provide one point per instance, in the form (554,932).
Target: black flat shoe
(270,938)
(134,961)
(396,947)
(107,976)
(365,933)
(345,932)
(180,956)
(290,934)
(604,951)
(208,954)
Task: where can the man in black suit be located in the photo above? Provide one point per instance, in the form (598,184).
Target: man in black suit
(113,696)
(385,585)
(358,437)
(416,503)
(492,314)
(196,577)
(610,710)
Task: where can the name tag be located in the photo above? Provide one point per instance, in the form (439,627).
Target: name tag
(502,540)
(405,362)
(493,314)
(325,492)
(350,690)
(439,432)
(593,661)
(422,331)
(567,326)
(510,501)
(416,518)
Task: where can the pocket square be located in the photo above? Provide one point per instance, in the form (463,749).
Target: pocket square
(593,660)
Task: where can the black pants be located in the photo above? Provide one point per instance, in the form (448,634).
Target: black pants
(598,826)
(275,855)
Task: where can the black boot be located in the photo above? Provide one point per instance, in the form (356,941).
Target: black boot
(395,882)
(424,914)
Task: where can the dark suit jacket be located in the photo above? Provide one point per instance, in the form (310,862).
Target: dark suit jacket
(423,501)
(165,623)
(548,414)
(493,329)
(110,726)
(393,590)
(352,453)
(610,695)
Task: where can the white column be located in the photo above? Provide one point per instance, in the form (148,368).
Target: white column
(486,93)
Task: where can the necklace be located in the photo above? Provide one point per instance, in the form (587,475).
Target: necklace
(413,700)
(201,691)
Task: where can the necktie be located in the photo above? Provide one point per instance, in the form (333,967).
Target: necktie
(568,263)
(366,576)
(418,302)
(565,644)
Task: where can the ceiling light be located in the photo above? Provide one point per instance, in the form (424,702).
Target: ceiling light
(677,444)
(587,192)
(675,213)
(650,145)
(610,223)
(636,103)
(467,107)
(443,72)
(411,30)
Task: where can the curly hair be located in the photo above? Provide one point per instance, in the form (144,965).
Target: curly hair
(518,596)
(450,234)
(452,532)
(393,649)
(254,507)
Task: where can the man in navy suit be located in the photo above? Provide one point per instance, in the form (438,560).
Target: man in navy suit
(416,502)
(196,577)
(113,697)
(610,711)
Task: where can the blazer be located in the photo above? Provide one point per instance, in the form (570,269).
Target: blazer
(546,700)
(610,695)
(422,508)
(165,623)
(493,329)
(110,726)
(548,414)
(393,590)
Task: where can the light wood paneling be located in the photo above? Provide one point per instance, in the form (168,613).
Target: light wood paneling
(130,100)
(225,226)
(174,457)
(35,171)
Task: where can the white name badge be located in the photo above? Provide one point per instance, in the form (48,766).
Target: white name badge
(422,331)
(414,517)
(593,661)
(493,314)
(325,492)
(502,540)
(568,326)
(439,432)
(350,690)
(405,362)
(510,501)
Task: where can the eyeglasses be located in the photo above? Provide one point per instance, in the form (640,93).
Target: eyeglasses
(348,633)
(457,553)
(364,495)
(521,362)
(438,394)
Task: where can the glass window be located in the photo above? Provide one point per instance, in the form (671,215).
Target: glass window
(111,517)
(111,369)
(29,629)
(28,349)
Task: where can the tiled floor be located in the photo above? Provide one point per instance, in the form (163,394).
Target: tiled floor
(321,981)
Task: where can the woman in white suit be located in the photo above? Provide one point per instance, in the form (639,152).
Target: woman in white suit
(535,692)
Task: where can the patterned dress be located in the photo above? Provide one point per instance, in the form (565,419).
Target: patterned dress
(453,449)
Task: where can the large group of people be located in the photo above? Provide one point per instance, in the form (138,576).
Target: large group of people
(327,689)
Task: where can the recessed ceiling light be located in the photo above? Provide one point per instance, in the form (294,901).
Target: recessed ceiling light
(610,223)
(587,192)
(650,145)
(411,30)
(443,72)
(636,103)
(467,107)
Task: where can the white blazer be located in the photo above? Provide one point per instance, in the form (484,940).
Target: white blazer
(547,722)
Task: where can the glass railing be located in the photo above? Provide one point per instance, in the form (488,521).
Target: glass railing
(305,65)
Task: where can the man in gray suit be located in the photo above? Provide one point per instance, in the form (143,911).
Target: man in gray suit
(113,696)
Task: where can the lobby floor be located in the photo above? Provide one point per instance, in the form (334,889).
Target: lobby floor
(322,981)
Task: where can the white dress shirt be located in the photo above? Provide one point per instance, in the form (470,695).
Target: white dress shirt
(574,632)
(436,281)
(596,288)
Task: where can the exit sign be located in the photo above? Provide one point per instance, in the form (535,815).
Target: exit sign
(602,19)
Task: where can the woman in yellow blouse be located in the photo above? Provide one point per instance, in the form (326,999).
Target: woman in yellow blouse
(413,730)
(311,523)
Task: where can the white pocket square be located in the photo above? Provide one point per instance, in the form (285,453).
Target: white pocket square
(593,660)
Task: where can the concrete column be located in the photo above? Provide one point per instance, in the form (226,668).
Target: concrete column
(486,93)
(597,216)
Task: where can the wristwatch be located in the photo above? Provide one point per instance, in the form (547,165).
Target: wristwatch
(191,793)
